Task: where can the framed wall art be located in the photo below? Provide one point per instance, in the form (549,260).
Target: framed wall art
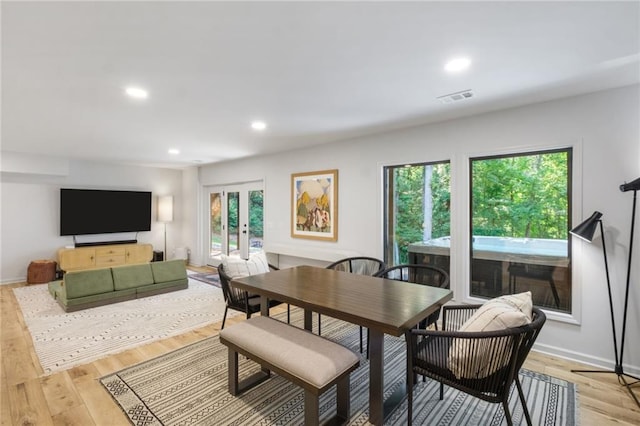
(314,205)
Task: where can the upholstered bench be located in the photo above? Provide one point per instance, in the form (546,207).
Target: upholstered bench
(310,361)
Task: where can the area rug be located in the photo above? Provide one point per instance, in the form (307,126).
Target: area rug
(189,386)
(211,278)
(63,340)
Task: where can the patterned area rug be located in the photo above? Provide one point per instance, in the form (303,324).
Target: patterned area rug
(209,278)
(189,386)
(63,340)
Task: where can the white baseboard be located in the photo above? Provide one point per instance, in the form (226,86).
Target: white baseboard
(13,280)
(597,362)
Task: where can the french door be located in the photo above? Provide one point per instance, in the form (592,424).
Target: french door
(235,220)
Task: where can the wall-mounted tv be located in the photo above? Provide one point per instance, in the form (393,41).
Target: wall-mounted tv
(93,211)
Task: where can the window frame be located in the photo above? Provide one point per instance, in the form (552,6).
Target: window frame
(462,241)
(460,215)
(387,188)
(476,160)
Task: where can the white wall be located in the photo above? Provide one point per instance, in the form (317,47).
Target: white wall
(30,206)
(602,127)
(191,208)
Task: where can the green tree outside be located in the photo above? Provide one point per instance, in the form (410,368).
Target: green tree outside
(521,196)
(409,204)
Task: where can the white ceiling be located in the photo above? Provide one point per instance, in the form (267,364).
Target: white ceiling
(316,72)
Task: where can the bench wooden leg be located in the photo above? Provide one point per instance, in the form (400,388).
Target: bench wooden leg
(311,409)
(344,399)
(236,387)
(233,372)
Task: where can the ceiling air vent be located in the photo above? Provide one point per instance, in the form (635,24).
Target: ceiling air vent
(457,96)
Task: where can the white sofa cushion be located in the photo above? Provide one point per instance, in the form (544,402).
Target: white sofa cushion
(236,267)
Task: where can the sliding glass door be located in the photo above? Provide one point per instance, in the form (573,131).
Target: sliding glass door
(417,215)
(235,220)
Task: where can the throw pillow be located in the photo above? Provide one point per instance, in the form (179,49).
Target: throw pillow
(236,267)
(469,358)
(511,310)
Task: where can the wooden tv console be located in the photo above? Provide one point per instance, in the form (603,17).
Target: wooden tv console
(103,256)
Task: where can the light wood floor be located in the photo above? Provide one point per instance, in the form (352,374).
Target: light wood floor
(75,397)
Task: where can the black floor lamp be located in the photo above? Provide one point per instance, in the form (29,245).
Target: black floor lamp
(585,231)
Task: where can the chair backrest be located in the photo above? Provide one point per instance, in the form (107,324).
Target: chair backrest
(234,297)
(418,274)
(359,265)
(481,363)
(530,335)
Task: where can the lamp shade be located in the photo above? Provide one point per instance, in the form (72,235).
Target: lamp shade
(165,208)
(587,228)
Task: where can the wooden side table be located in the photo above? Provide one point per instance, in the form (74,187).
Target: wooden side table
(41,271)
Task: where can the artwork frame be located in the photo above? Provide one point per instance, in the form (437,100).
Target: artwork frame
(314,205)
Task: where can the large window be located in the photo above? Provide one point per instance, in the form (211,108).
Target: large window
(417,201)
(520,210)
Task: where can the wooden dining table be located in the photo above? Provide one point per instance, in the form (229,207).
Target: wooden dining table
(384,306)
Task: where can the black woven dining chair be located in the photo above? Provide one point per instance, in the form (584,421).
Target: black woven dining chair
(362,265)
(484,364)
(241,300)
(419,274)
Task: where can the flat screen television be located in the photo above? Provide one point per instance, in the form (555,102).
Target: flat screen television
(93,211)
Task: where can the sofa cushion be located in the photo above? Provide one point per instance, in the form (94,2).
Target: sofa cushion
(86,283)
(170,270)
(131,276)
(55,287)
(163,287)
(236,267)
(93,300)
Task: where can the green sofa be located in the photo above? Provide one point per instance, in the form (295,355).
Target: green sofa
(95,287)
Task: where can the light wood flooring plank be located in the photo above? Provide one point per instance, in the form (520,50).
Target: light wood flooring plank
(5,404)
(28,404)
(103,411)
(16,356)
(75,416)
(60,393)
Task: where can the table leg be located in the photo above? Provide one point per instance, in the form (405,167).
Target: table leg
(308,320)
(376,372)
(264,306)
(379,408)
(264,311)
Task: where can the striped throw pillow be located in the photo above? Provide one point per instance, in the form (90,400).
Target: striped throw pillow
(471,358)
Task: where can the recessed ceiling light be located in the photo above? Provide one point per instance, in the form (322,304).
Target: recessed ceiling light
(458,64)
(136,92)
(258,125)
(174,151)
